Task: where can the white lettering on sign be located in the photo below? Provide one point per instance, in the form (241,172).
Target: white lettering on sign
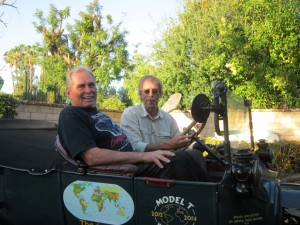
(170,199)
(245,219)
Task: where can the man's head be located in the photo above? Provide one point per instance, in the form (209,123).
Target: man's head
(150,91)
(81,87)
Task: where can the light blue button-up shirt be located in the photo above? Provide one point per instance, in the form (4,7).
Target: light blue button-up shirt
(141,129)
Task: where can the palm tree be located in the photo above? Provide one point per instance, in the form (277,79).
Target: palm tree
(22,61)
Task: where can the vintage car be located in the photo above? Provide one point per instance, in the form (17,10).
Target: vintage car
(41,184)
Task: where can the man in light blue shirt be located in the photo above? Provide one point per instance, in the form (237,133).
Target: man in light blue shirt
(149,128)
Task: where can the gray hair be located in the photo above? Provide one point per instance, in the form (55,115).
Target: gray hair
(76,69)
(150,77)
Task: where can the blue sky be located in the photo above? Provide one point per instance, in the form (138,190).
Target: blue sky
(143,19)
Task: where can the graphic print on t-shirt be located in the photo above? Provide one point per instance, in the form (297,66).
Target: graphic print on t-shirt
(104,124)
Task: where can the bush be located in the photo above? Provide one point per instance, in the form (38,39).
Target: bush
(212,141)
(112,103)
(286,154)
(8,106)
(286,157)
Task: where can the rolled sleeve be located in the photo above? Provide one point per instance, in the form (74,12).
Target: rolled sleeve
(140,146)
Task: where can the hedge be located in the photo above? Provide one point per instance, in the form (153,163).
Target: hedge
(7,106)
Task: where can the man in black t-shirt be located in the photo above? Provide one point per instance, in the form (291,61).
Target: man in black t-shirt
(94,129)
(93,137)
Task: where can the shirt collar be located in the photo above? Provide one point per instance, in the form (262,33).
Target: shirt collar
(144,113)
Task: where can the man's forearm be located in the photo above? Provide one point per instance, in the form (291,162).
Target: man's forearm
(176,142)
(97,156)
(158,146)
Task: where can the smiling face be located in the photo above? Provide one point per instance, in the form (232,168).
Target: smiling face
(150,95)
(82,89)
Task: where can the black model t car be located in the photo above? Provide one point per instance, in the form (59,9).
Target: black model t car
(41,185)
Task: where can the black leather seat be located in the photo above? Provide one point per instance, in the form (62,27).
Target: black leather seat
(115,169)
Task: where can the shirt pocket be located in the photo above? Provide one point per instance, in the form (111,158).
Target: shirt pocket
(162,136)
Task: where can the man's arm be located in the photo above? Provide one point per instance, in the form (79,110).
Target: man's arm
(98,156)
(177,142)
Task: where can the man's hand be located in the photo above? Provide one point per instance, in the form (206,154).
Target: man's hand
(177,142)
(158,157)
(180,141)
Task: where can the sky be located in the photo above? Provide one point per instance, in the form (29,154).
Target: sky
(143,19)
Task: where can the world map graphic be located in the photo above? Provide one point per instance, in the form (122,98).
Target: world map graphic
(98,202)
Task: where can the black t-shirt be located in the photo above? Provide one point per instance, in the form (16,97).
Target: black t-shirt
(83,128)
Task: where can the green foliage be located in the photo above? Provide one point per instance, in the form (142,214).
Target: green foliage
(122,93)
(8,106)
(185,50)
(92,40)
(269,56)
(212,141)
(112,103)
(1,82)
(23,61)
(286,157)
(103,48)
(140,66)
(113,94)
(53,79)
(252,45)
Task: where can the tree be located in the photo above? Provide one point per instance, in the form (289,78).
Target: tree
(88,42)
(9,4)
(22,61)
(252,45)
(122,94)
(53,79)
(112,103)
(182,52)
(264,65)
(140,66)
(1,82)
(4,3)
(103,48)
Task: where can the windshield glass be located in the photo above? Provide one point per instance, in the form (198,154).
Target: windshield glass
(238,120)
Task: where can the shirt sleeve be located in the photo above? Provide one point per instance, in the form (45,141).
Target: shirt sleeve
(130,126)
(173,124)
(74,132)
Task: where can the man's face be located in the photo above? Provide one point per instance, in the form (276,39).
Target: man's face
(82,90)
(150,94)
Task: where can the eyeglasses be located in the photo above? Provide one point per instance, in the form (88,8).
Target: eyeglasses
(147,91)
